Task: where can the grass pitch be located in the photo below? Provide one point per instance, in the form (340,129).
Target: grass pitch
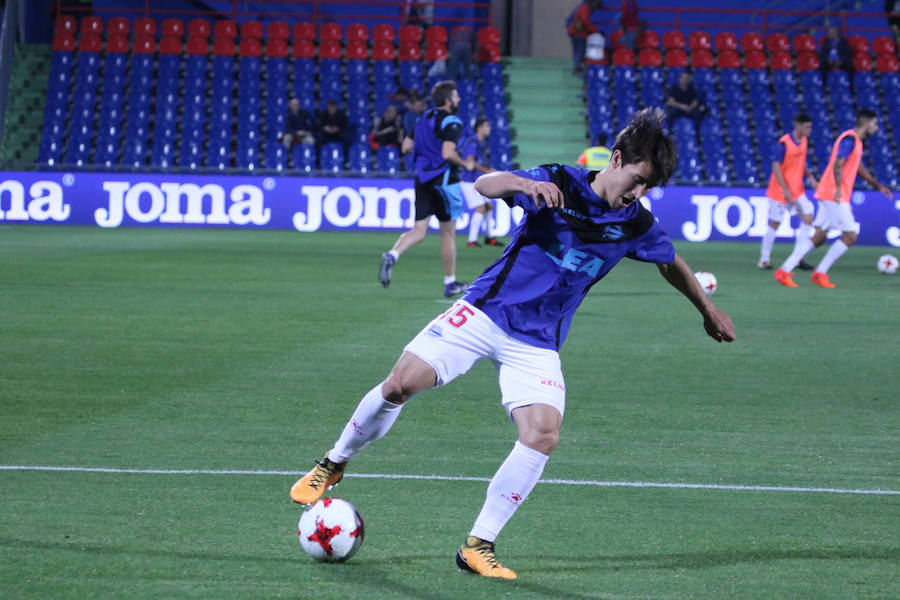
(148,350)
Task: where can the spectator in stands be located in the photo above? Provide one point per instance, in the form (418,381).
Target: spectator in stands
(418,12)
(412,115)
(596,158)
(298,125)
(461,47)
(835,53)
(632,25)
(579,27)
(683,101)
(388,129)
(333,125)
(892,8)
(400,100)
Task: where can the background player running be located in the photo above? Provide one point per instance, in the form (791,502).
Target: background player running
(473,147)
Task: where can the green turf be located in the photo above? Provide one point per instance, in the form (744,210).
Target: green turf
(242,350)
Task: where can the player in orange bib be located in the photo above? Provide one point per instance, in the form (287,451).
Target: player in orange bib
(834,191)
(786,192)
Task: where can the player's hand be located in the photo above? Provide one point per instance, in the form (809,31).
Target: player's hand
(837,195)
(544,193)
(813,182)
(469,164)
(886,191)
(718,325)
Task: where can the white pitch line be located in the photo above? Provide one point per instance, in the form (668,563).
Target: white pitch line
(611,484)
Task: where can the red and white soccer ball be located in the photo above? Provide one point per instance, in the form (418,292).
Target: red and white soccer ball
(707,281)
(330,530)
(888,264)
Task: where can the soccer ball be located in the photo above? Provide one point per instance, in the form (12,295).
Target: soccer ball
(887,264)
(707,281)
(330,530)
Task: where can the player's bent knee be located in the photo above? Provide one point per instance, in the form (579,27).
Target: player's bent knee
(542,440)
(849,237)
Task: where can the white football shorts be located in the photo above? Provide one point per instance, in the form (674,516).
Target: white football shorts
(779,211)
(453,342)
(473,197)
(836,215)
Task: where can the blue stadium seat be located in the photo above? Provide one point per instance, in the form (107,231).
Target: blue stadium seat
(331,157)
(387,159)
(304,157)
(360,157)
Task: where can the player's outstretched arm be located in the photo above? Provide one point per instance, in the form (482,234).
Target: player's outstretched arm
(716,321)
(503,184)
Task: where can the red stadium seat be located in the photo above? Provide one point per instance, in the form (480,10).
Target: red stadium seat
(250,47)
(615,39)
(65,24)
(676,58)
(435,51)
(90,42)
(173,27)
(862,61)
(252,30)
(279,30)
(858,43)
(701,58)
(303,48)
(410,34)
(488,35)
(329,49)
(648,39)
(223,46)
(807,61)
(383,50)
(408,51)
(117,44)
(699,40)
(435,33)
(199,28)
(755,59)
(673,40)
(225,29)
(118,25)
(197,45)
(886,63)
(143,43)
(728,59)
(781,60)
(357,32)
(725,40)
(277,48)
(144,26)
(92,25)
(803,42)
(382,33)
(304,31)
(489,53)
(623,57)
(883,44)
(649,57)
(777,42)
(63,41)
(752,41)
(356,49)
(170,44)
(330,31)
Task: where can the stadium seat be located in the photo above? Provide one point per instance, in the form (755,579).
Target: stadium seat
(144,26)
(304,30)
(199,28)
(359,158)
(858,43)
(276,48)
(615,39)
(356,50)
(410,34)
(64,42)
(170,44)
(699,40)
(144,45)
(408,52)
(387,159)
(807,61)
(223,46)
(118,26)
(90,42)
(728,59)
(435,51)
(623,57)
(886,63)
(303,49)
(752,41)
(781,60)
(701,58)
(225,29)
(777,42)
(330,32)
(725,40)
(117,44)
(489,53)
(331,157)
(383,51)
(862,61)
(648,39)
(329,49)
(357,32)
(65,24)
(803,42)
(755,59)
(250,47)
(251,30)
(649,57)
(435,34)
(673,40)
(278,30)
(488,35)
(91,25)
(883,44)
(383,33)
(676,58)
(173,27)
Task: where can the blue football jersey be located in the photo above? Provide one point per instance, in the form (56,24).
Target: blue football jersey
(556,255)
(433,128)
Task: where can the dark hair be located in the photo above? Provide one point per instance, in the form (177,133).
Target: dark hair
(442,91)
(600,140)
(865,114)
(802,117)
(479,122)
(645,139)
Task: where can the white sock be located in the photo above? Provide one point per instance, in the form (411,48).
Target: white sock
(488,223)
(372,418)
(509,487)
(801,249)
(475,226)
(767,242)
(837,249)
(448,279)
(394,253)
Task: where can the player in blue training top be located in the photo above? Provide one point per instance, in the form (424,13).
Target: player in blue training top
(437,184)
(578,224)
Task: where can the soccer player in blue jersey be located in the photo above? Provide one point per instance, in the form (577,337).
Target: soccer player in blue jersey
(474,145)
(578,224)
(437,184)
